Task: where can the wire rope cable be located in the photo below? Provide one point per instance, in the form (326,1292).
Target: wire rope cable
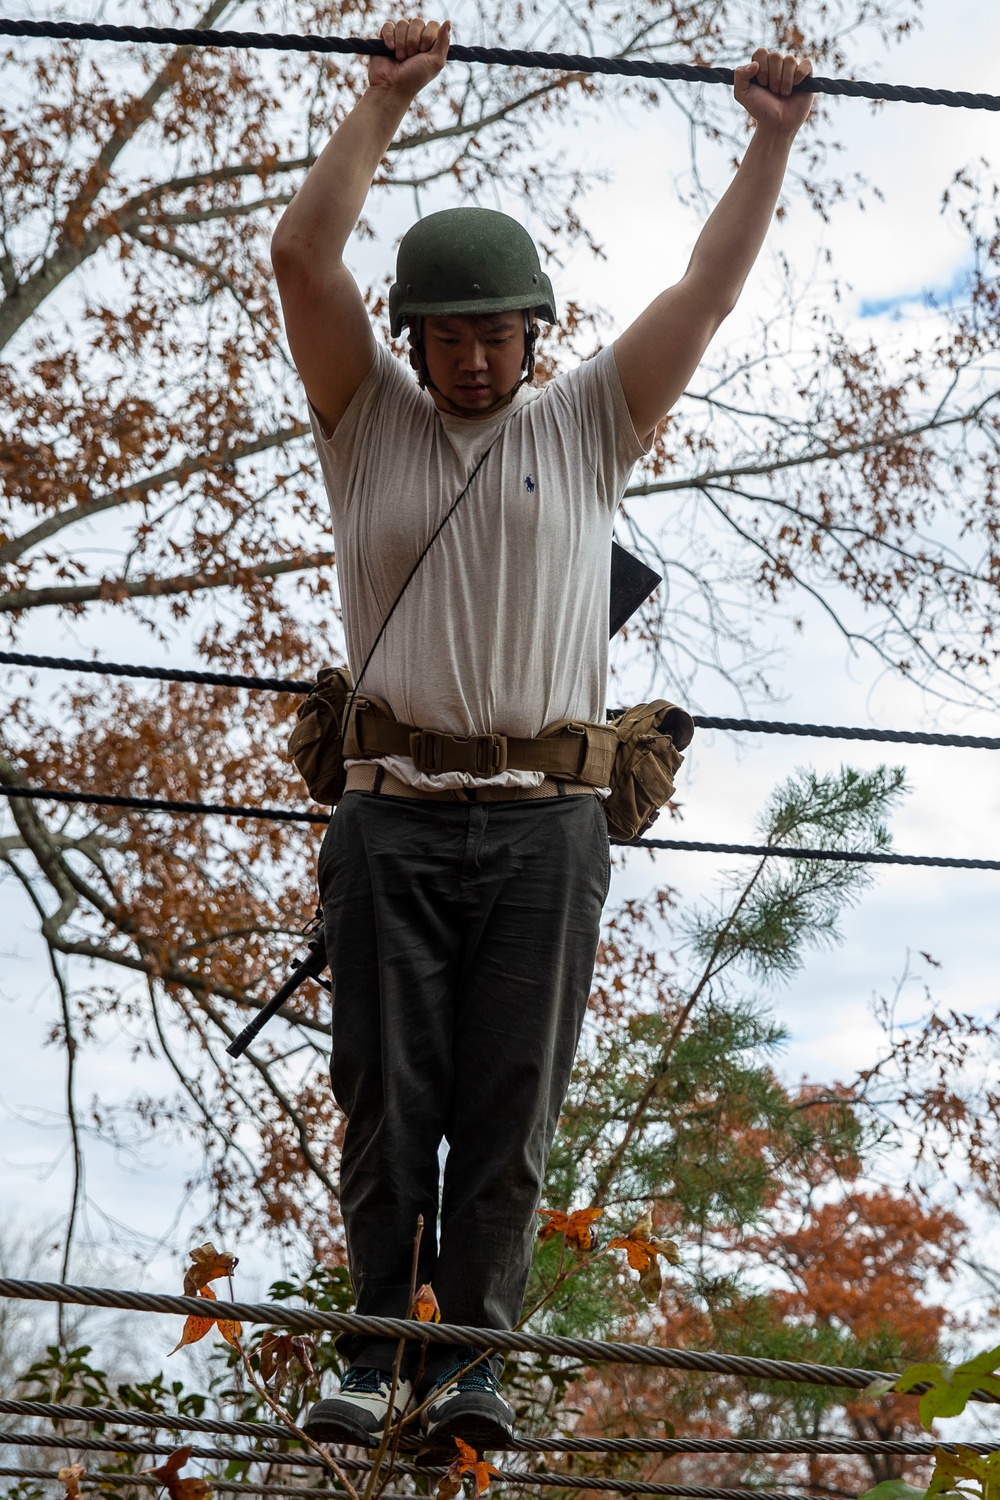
(579,1482)
(563,62)
(263,1431)
(589,1351)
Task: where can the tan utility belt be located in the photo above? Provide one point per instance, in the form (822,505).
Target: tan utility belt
(637,755)
(573,750)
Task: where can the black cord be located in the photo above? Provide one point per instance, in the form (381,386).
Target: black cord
(562,62)
(702,721)
(287,815)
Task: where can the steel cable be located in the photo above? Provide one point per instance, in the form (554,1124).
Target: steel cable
(590,1351)
(584,1482)
(534,1479)
(263,1431)
(563,62)
(245,1487)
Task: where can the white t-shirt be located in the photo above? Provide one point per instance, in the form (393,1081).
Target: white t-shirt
(504,628)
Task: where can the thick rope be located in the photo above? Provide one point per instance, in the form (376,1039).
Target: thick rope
(161,804)
(293,685)
(107,1416)
(835,856)
(688,846)
(590,1351)
(157,674)
(563,62)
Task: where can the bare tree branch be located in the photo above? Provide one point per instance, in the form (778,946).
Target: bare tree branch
(11,550)
(115,590)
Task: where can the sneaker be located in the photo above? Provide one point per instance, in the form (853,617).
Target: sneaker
(358,1414)
(470,1408)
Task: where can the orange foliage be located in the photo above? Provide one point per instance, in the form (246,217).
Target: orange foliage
(577,1227)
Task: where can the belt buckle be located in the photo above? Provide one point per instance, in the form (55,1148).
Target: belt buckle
(491,754)
(425,750)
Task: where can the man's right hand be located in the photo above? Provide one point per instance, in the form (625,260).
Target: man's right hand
(419,52)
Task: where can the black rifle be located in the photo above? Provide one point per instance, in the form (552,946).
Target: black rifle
(311,967)
(632,582)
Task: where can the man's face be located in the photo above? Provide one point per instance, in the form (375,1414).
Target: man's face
(473,361)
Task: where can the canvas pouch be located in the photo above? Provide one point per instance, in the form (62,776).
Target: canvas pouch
(650,739)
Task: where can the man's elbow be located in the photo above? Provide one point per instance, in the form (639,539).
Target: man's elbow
(285,251)
(715,296)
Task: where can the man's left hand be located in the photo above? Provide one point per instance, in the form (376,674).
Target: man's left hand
(765,87)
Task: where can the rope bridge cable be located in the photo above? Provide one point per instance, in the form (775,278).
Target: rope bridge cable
(562,62)
(247,1487)
(263,1431)
(702,721)
(590,1351)
(164,804)
(533,1479)
(684,846)
(582,1482)
(669,1447)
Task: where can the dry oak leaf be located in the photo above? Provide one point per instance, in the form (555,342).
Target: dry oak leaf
(426,1308)
(195,1328)
(577,1227)
(207,1264)
(70,1477)
(276,1354)
(643,1250)
(467,1462)
(178,1488)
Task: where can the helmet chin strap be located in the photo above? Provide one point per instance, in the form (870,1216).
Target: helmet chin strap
(418,361)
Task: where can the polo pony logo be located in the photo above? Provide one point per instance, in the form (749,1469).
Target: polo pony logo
(529,484)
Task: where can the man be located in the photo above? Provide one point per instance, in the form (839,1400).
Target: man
(464,872)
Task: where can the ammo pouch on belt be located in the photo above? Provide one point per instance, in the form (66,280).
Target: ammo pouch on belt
(649,740)
(316,741)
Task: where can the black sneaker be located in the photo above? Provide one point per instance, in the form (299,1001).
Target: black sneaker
(470,1408)
(358,1414)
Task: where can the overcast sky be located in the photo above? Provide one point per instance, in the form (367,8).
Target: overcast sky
(888,256)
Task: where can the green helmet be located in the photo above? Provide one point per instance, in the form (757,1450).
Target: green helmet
(467,260)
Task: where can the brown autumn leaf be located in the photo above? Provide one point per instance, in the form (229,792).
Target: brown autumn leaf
(278,1352)
(668,1249)
(195,1328)
(450,1483)
(70,1477)
(469,1462)
(577,1227)
(651,1281)
(207,1264)
(178,1488)
(643,1250)
(425,1305)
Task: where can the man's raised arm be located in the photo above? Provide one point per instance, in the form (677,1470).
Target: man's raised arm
(325,317)
(659,353)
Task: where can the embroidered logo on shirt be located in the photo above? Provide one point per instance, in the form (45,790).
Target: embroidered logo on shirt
(529,484)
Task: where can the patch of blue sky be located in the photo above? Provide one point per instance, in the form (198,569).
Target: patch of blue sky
(937,295)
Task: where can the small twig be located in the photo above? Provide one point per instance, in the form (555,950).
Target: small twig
(293,1428)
